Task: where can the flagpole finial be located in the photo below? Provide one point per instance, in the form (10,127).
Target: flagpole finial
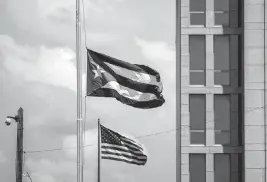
(98,122)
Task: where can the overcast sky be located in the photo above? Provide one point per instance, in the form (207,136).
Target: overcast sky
(38,73)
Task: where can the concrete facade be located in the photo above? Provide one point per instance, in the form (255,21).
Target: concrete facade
(222,69)
(255,90)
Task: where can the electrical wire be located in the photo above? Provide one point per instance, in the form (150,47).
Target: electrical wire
(24,173)
(142,136)
(29,176)
(55,149)
(50,150)
(216,119)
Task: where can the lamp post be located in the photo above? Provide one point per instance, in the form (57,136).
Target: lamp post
(19,156)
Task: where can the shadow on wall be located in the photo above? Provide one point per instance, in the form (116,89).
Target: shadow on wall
(231,45)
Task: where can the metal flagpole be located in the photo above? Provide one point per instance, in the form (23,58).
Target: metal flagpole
(99,153)
(79,95)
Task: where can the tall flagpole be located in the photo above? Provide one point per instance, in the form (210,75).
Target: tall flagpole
(99,149)
(79,95)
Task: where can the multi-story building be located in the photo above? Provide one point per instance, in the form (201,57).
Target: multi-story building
(221,91)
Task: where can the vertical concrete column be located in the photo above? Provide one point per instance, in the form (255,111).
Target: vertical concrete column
(209,13)
(265,86)
(234,121)
(210,85)
(254,134)
(209,167)
(185,167)
(185,82)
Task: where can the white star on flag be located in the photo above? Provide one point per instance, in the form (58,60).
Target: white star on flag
(98,69)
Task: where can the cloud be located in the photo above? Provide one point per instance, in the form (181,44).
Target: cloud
(119,1)
(90,143)
(161,55)
(101,6)
(156,50)
(101,38)
(42,177)
(49,66)
(51,167)
(50,104)
(55,7)
(51,170)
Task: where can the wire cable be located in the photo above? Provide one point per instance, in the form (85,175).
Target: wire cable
(142,136)
(50,150)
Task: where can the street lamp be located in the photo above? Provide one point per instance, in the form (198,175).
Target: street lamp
(19,156)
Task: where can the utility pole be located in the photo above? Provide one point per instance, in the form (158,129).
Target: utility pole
(19,156)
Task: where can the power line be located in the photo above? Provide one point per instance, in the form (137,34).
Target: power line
(71,148)
(55,149)
(215,119)
(142,136)
(49,150)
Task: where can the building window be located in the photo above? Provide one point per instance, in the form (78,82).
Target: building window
(222,168)
(197,53)
(197,167)
(222,119)
(197,109)
(221,60)
(221,12)
(197,12)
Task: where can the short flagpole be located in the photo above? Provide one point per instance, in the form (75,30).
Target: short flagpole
(99,151)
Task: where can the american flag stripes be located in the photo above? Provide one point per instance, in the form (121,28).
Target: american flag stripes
(117,147)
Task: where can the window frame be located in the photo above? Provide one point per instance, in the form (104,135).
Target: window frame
(203,71)
(216,119)
(229,62)
(229,164)
(197,12)
(219,12)
(202,167)
(204,124)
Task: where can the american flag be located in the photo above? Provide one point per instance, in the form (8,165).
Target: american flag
(117,147)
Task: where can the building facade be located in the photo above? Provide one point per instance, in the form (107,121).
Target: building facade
(222,88)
